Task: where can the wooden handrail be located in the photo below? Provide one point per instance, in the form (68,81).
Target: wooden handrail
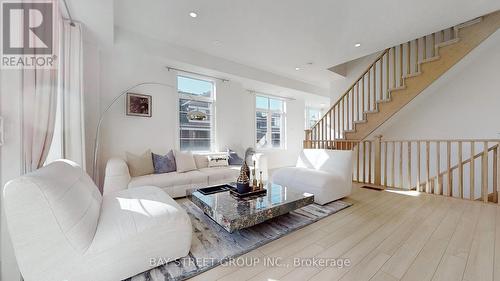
(442,140)
(352,85)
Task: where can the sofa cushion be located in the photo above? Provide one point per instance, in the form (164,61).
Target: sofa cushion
(170,179)
(135,225)
(220,160)
(184,161)
(220,175)
(140,165)
(164,164)
(201,160)
(128,213)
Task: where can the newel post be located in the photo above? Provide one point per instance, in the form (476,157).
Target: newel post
(308,139)
(378,160)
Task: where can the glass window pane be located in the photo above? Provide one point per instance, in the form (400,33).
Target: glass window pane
(269,118)
(276,130)
(276,104)
(313,115)
(195,117)
(195,87)
(276,121)
(195,145)
(261,121)
(276,143)
(262,102)
(261,138)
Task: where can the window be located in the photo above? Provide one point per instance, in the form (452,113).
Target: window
(269,122)
(312,116)
(196,114)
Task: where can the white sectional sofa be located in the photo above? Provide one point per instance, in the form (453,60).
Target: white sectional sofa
(63,229)
(325,173)
(176,184)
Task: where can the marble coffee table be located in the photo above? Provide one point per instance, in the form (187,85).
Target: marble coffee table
(233,213)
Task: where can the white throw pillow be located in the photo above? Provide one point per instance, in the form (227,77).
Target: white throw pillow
(201,160)
(184,161)
(218,160)
(140,165)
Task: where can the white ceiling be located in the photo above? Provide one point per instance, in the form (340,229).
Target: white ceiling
(279,35)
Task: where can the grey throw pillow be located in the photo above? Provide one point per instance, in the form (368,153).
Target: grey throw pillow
(234,158)
(164,164)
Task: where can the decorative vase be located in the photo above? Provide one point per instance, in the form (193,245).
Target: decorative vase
(245,168)
(243,182)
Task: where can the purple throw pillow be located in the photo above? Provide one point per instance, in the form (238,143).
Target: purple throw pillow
(164,164)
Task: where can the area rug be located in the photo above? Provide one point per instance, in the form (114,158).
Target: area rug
(212,245)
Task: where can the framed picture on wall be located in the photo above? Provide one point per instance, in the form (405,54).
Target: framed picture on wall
(139,105)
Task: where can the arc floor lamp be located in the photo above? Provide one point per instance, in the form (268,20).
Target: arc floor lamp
(101,118)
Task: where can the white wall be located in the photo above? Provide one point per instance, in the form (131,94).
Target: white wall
(123,67)
(119,133)
(91,84)
(234,117)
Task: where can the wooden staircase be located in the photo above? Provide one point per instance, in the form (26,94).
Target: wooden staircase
(397,76)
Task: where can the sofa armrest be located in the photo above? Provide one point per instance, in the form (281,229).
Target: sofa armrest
(117,176)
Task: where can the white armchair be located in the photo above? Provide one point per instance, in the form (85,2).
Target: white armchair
(325,173)
(63,229)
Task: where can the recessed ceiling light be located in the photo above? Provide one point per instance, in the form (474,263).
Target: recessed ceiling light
(357,45)
(217,43)
(193,14)
(297,68)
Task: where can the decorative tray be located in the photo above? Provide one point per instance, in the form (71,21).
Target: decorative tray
(215,189)
(234,192)
(231,187)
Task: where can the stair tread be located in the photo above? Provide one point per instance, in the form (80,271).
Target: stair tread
(360,121)
(412,75)
(384,100)
(447,43)
(431,59)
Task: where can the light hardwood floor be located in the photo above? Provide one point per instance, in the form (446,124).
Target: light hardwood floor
(386,235)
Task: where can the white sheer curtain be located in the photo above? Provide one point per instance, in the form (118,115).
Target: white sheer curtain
(69,136)
(72,94)
(39,91)
(39,97)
